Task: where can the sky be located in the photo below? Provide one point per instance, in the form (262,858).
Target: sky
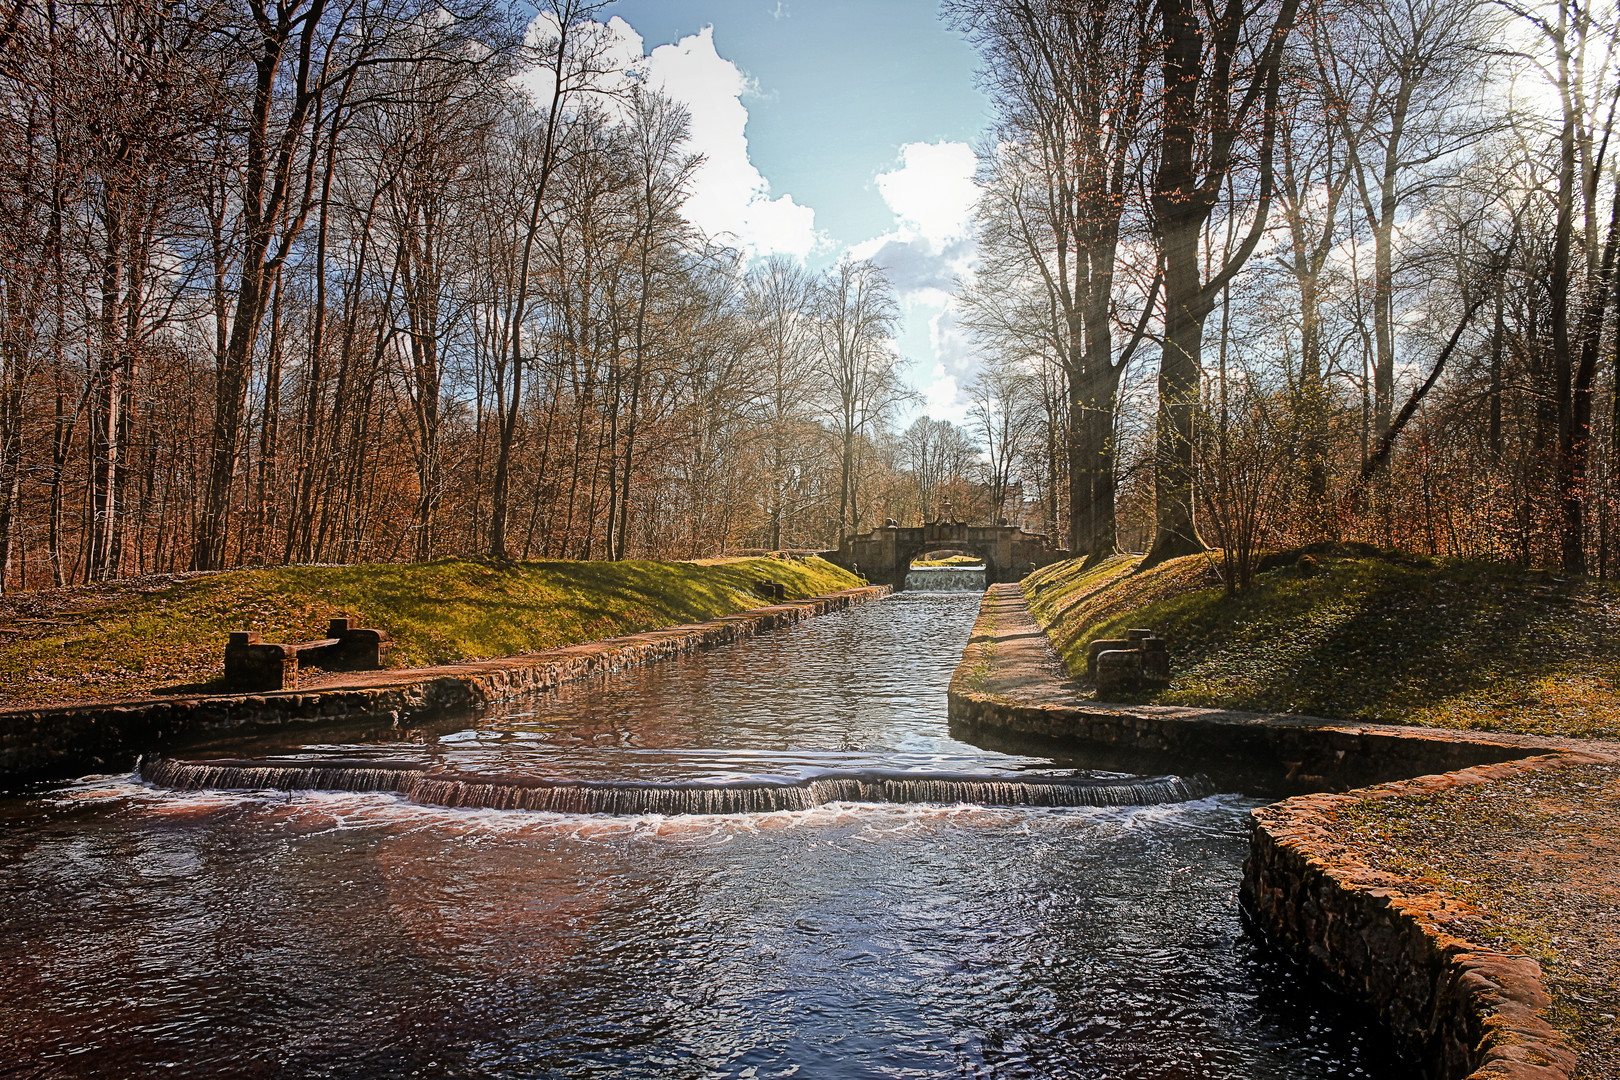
(833,127)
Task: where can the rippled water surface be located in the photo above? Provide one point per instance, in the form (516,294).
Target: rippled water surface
(291,934)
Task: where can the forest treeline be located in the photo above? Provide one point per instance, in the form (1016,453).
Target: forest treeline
(368,280)
(388,279)
(1308,270)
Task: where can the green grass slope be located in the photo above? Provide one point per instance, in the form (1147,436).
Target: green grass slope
(1377,637)
(130,638)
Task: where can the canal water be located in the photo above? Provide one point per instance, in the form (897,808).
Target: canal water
(158,930)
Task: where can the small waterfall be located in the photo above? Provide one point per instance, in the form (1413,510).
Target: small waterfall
(418,784)
(332,775)
(945,579)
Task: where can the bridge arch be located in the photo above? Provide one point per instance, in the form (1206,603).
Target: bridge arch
(884,554)
(904,556)
(943,553)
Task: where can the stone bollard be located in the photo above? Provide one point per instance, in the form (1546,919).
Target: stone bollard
(1117,670)
(358,648)
(1137,662)
(251,664)
(1100,646)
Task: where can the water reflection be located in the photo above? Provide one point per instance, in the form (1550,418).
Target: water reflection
(357,935)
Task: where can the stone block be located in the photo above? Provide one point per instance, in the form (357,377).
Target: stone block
(357,648)
(1142,663)
(251,664)
(1117,670)
(1101,645)
(254,664)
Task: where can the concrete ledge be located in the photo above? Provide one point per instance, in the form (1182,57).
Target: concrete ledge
(52,743)
(1461,1008)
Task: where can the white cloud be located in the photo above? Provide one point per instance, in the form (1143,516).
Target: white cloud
(932,192)
(730,199)
(729,195)
(940,400)
(928,252)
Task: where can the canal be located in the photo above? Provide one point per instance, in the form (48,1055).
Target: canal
(151,929)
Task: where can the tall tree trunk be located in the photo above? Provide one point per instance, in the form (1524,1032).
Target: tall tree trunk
(270,204)
(501,489)
(264,522)
(107,398)
(1199,128)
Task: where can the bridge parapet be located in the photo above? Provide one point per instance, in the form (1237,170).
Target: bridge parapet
(884,554)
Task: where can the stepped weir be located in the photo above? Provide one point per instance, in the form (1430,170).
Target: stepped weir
(420,784)
(945,579)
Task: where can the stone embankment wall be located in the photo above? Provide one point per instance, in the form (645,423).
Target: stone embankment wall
(1010,683)
(1460,1008)
(50,743)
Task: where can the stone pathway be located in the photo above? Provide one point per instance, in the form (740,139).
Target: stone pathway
(1012,683)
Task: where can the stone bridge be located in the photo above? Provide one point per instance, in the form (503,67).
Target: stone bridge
(884,554)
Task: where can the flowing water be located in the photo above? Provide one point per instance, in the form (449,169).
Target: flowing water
(945,579)
(868,897)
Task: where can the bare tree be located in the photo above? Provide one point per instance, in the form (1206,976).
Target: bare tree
(1404,82)
(575,59)
(781,296)
(1004,415)
(1068,81)
(1575,48)
(857,367)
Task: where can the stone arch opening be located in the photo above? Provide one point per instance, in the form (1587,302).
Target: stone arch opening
(905,556)
(885,554)
(939,554)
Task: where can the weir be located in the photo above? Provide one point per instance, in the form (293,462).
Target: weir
(763,795)
(946,579)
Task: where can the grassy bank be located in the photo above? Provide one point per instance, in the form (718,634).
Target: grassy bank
(1534,857)
(133,637)
(1356,635)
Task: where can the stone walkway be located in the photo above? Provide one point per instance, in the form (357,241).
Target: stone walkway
(1012,683)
